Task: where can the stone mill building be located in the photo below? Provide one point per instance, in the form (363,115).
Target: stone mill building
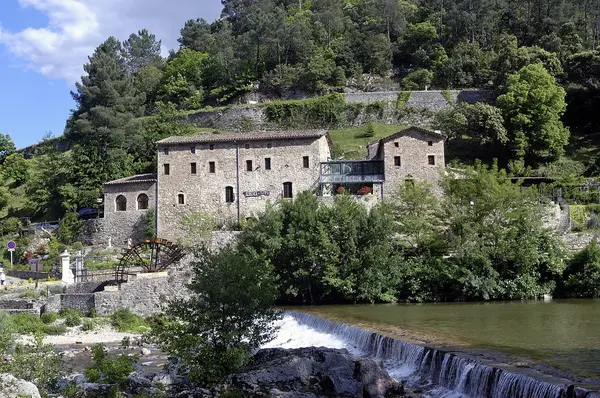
(232,176)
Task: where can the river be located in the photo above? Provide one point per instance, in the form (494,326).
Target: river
(527,340)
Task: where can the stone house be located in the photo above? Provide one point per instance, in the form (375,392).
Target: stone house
(127,202)
(232,176)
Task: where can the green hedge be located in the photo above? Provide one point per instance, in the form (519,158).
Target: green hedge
(328,110)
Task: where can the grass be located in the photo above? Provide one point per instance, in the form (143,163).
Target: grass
(123,320)
(33,294)
(352,143)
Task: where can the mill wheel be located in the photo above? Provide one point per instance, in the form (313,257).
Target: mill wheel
(151,255)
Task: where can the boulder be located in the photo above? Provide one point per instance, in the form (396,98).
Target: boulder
(11,387)
(313,372)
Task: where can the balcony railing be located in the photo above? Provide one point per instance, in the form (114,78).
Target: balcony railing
(348,171)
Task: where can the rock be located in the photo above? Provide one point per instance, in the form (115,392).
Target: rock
(145,351)
(149,363)
(313,372)
(95,389)
(137,382)
(11,387)
(162,378)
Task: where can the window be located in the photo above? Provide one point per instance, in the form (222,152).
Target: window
(229,198)
(193,149)
(166,150)
(193,168)
(430,143)
(267,163)
(142,201)
(305,162)
(211,167)
(247,146)
(166,169)
(181,199)
(431,159)
(121,203)
(211,147)
(397,161)
(287,190)
(269,145)
(396,144)
(249,165)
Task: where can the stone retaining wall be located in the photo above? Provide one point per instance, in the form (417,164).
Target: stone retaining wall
(28,274)
(578,241)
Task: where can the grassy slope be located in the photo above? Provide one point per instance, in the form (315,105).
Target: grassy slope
(352,143)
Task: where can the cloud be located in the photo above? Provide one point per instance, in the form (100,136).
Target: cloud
(76,27)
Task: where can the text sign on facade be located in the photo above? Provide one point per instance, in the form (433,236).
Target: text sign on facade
(256,194)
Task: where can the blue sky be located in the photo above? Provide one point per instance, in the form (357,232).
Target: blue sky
(44,43)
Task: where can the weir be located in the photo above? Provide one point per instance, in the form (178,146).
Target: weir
(444,374)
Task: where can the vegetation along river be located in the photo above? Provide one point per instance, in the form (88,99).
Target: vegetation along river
(564,334)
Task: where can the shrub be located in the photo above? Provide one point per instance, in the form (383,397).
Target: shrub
(33,294)
(593,222)
(92,313)
(109,370)
(88,325)
(48,317)
(7,332)
(72,320)
(69,311)
(27,323)
(126,321)
(54,330)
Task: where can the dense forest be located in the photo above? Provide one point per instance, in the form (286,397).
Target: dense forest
(130,96)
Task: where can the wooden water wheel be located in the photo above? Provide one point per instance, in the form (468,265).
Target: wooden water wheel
(151,255)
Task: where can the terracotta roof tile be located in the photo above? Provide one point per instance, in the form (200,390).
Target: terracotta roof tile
(133,179)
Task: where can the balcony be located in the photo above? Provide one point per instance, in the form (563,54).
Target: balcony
(351,171)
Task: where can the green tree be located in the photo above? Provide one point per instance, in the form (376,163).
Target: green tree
(7,147)
(228,314)
(102,124)
(482,122)
(70,228)
(140,50)
(581,278)
(532,107)
(16,168)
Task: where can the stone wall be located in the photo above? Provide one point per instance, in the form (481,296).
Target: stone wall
(370,97)
(578,241)
(28,274)
(94,232)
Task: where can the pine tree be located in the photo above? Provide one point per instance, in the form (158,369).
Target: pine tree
(102,123)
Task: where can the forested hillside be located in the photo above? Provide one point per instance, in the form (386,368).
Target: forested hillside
(540,55)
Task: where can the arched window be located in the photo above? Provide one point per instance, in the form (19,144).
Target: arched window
(121,203)
(229,198)
(287,190)
(142,201)
(181,199)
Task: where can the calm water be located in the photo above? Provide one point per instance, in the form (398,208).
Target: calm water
(563,333)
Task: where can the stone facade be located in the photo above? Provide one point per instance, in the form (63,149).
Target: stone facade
(234,165)
(412,154)
(127,203)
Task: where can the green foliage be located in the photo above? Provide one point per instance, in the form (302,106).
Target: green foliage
(126,321)
(109,370)
(582,275)
(325,254)
(33,294)
(403,98)
(48,317)
(70,228)
(197,226)
(150,225)
(7,333)
(15,167)
(38,363)
(72,320)
(418,80)
(481,122)
(532,107)
(328,110)
(27,323)
(370,130)
(7,147)
(55,330)
(228,314)
(11,226)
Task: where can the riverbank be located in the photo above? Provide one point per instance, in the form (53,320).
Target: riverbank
(507,359)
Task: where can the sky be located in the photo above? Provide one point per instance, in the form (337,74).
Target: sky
(44,44)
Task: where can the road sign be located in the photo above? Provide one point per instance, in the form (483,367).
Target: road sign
(11,245)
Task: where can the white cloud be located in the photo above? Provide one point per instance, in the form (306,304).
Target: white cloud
(76,27)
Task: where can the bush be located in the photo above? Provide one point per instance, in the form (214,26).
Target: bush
(48,317)
(65,312)
(593,222)
(27,323)
(7,332)
(109,370)
(126,321)
(72,320)
(33,294)
(88,325)
(54,330)
(581,279)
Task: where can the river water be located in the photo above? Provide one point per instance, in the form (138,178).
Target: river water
(565,334)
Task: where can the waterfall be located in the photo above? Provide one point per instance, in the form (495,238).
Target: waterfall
(441,374)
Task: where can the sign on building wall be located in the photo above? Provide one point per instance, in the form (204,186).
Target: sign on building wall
(256,194)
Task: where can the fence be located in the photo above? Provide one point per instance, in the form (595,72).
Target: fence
(87,275)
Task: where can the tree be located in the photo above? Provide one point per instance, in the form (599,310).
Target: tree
(7,147)
(581,278)
(69,228)
(107,103)
(228,314)
(140,50)
(532,107)
(15,167)
(183,79)
(196,35)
